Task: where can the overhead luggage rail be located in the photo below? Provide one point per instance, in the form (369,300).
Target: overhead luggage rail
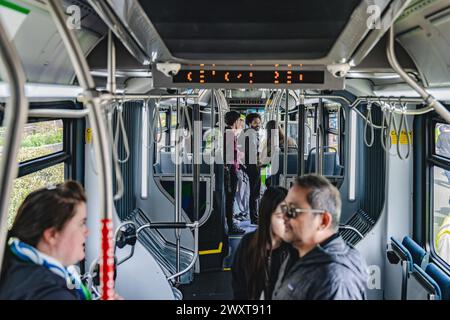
(16,117)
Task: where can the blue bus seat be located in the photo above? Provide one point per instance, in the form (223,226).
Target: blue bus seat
(401,252)
(331,165)
(441,278)
(292,161)
(167,165)
(422,286)
(157,167)
(396,253)
(419,255)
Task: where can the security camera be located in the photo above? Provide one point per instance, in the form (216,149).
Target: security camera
(169,69)
(339,70)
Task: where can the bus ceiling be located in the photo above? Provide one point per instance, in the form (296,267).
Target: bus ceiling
(320,33)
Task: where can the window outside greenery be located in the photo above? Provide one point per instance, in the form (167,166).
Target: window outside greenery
(22,187)
(39,139)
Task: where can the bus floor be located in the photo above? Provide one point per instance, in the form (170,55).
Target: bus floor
(216,285)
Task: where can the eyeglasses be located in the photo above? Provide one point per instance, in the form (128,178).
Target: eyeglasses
(292,212)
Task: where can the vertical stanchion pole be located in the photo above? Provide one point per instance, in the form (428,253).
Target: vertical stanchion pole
(178,183)
(286,138)
(196,157)
(320,137)
(97,121)
(301,136)
(15,118)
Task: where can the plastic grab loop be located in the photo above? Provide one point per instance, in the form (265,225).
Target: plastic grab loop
(403,127)
(157,125)
(367,124)
(187,118)
(392,126)
(120,128)
(386,141)
(384,126)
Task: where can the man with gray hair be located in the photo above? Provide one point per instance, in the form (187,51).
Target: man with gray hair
(326,268)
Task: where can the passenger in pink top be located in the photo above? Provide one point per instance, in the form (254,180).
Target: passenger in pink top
(232,166)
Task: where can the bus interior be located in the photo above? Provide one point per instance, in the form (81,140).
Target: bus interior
(111,93)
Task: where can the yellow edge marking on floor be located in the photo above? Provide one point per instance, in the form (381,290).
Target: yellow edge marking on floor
(213,251)
(226,269)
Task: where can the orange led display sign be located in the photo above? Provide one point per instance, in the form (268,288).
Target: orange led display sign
(250,77)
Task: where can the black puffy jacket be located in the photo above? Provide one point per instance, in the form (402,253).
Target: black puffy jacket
(331,271)
(28,281)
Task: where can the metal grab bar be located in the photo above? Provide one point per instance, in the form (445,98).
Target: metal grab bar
(133,97)
(380,99)
(428,98)
(194,259)
(58,113)
(16,118)
(115,240)
(101,145)
(176,225)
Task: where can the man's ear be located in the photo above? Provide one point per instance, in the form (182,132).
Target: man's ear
(327,220)
(49,236)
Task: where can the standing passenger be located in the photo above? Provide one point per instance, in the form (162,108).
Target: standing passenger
(252,167)
(232,122)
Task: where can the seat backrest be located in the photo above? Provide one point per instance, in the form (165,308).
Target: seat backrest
(166,164)
(419,255)
(292,161)
(421,285)
(157,167)
(205,167)
(441,278)
(401,252)
(330,163)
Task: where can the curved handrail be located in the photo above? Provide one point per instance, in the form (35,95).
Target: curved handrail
(428,98)
(16,117)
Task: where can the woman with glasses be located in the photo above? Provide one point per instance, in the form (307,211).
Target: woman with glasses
(261,253)
(46,240)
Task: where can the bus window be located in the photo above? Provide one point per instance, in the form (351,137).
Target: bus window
(25,185)
(442,140)
(333,130)
(42,143)
(441,192)
(39,139)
